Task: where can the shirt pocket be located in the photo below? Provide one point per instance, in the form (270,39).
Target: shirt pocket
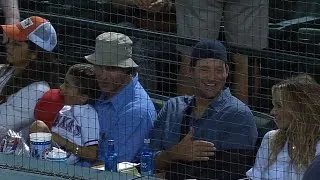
(172,135)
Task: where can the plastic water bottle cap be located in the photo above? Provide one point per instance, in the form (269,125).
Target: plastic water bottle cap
(147,141)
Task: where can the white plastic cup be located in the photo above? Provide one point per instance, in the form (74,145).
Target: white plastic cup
(40,144)
(57,155)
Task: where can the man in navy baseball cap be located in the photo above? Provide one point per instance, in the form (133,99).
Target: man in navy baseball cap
(221,121)
(209,69)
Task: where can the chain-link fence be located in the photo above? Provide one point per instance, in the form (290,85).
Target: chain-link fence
(178,89)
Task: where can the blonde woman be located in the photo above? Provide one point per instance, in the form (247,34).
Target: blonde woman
(285,153)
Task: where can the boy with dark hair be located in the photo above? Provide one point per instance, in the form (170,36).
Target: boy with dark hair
(76,128)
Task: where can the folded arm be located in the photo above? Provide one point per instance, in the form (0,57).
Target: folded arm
(86,152)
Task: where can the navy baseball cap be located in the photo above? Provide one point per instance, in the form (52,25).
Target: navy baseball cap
(209,49)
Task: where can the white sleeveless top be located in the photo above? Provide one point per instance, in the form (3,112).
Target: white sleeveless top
(281,169)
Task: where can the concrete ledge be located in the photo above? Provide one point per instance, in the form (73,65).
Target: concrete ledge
(18,167)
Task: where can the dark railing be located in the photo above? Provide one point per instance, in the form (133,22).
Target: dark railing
(78,34)
(97,26)
(296,53)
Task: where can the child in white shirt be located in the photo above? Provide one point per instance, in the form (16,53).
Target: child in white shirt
(76,127)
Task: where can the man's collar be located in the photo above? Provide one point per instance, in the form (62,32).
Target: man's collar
(218,100)
(224,95)
(125,94)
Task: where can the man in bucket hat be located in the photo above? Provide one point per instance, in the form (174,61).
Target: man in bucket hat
(125,110)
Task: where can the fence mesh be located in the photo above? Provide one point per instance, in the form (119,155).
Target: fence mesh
(171,89)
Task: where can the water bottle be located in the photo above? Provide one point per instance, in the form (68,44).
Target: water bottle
(146,159)
(111,158)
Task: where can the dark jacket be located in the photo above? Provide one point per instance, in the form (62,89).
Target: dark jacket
(313,171)
(226,164)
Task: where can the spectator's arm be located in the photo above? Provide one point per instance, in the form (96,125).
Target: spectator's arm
(11,11)
(156,135)
(132,128)
(18,111)
(163,160)
(161,5)
(88,117)
(158,131)
(86,152)
(122,4)
(158,5)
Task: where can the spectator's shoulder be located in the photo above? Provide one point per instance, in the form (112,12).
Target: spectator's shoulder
(178,102)
(65,109)
(238,107)
(141,101)
(33,91)
(142,109)
(174,108)
(269,136)
(39,86)
(267,139)
(84,110)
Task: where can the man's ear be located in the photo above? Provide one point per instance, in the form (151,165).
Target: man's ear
(227,68)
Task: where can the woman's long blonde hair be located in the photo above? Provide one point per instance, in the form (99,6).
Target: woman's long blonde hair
(300,97)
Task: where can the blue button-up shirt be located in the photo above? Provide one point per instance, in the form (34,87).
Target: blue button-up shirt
(125,118)
(227,122)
